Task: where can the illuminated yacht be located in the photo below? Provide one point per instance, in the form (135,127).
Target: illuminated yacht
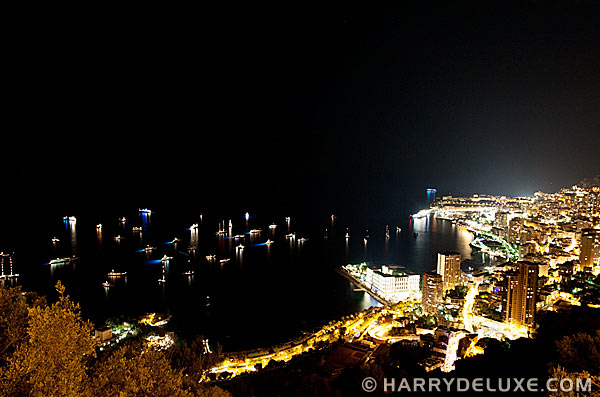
(70,218)
(269,242)
(239,236)
(166,258)
(291,235)
(55,240)
(162,280)
(192,249)
(145,211)
(106,284)
(240,247)
(189,273)
(211,257)
(116,274)
(137,228)
(123,220)
(99,226)
(273,226)
(420,214)
(194,226)
(398,229)
(118,238)
(247,216)
(287,219)
(149,249)
(61,261)
(224,260)
(347,233)
(175,240)
(303,240)
(254,231)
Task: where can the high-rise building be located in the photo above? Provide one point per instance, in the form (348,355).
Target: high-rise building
(501,220)
(515,227)
(6,265)
(448,266)
(431,195)
(433,292)
(518,300)
(590,247)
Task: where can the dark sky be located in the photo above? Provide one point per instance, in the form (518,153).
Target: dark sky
(301,105)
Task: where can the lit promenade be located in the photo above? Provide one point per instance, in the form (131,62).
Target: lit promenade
(329,333)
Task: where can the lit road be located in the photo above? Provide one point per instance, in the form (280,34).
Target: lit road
(495,329)
(356,326)
(485,326)
(380,332)
(363,323)
(467,313)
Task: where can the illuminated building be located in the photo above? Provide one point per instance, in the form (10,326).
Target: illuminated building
(590,247)
(103,334)
(515,227)
(6,265)
(391,280)
(448,266)
(433,293)
(431,195)
(501,220)
(446,346)
(526,249)
(518,301)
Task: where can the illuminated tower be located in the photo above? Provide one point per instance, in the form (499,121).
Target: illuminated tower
(433,290)
(518,300)
(501,220)
(515,227)
(590,247)
(431,195)
(6,265)
(448,266)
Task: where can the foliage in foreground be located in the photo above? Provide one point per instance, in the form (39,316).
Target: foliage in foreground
(50,351)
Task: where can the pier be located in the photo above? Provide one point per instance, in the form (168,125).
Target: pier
(362,287)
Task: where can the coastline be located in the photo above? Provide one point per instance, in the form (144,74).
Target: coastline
(356,282)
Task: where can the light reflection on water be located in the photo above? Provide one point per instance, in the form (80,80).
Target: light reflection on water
(99,239)
(73,235)
(299,275)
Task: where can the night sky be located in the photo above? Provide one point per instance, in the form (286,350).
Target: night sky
(356,107)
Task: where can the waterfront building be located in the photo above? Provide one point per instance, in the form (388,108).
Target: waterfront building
(391,281)
(448,266)
(431,195)
(6,265)
(433,292)
(590,247)
(518,300)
